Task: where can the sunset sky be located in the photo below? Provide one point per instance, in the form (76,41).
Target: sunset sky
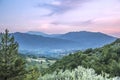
(61,16)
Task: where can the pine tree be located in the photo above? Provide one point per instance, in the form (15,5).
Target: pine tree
(12,66)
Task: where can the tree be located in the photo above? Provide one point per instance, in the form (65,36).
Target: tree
(12,66)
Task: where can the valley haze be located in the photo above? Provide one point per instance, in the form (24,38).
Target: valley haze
(60,44)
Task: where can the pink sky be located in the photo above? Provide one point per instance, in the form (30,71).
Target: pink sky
(61,16)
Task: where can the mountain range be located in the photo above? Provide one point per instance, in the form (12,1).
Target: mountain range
(73,40)
(31,42)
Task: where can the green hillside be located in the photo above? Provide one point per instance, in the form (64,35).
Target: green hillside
(105,59)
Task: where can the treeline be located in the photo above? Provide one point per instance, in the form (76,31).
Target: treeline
(105,59)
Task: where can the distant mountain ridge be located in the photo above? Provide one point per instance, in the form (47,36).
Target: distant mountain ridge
(42,34)
(28,41)
(71,40)
(38,33)
(88,38)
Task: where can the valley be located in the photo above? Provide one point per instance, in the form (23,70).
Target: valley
(61,44)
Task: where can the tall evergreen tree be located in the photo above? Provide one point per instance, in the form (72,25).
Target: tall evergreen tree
(12,66)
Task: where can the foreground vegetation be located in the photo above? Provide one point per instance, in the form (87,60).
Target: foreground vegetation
(79,73)
(12,65)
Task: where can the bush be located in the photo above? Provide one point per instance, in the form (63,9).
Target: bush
(79,73)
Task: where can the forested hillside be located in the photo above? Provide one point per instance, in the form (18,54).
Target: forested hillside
(105,59)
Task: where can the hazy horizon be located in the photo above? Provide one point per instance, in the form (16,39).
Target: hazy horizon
(32,32)
(61,16)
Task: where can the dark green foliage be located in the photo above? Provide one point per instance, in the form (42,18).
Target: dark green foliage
(106,59)
(12,66)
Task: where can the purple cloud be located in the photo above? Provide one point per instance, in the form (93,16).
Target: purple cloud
(61,6)
(78,23)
